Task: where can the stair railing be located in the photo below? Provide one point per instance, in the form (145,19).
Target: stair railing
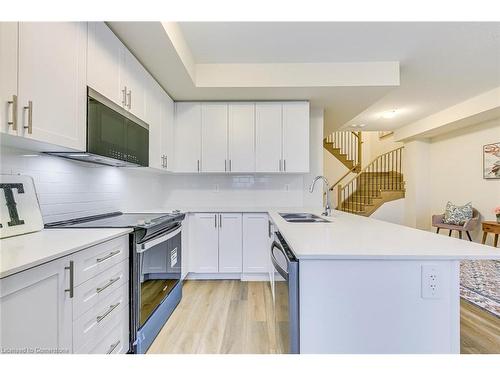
(349,143)
(383,173)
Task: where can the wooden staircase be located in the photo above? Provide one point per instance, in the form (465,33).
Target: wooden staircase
(379,182)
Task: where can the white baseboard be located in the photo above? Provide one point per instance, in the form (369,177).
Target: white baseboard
(228,276)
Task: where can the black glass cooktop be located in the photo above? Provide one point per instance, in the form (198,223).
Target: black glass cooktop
(118,220)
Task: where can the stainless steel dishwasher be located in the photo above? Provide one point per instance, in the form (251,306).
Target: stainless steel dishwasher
(286,296)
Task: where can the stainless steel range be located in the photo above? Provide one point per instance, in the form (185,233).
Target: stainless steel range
(155,268)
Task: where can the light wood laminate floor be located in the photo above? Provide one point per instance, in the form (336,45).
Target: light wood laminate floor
(231,316)
(479,330)
(220,316)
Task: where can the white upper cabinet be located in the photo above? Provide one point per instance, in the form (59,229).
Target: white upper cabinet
(154,120)
(52,82)
(214,137)
(295,137)
(187,135)
(135,81)
(106,60)
(167,121)
(241,131)
(160,118)
(230,242)
(114,72)
(268,137)
(8,77)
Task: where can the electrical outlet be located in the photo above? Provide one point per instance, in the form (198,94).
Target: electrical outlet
(431,281)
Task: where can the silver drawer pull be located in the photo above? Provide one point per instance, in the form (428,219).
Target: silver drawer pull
(111,308)
(110,282)
(113,253)
(113,347)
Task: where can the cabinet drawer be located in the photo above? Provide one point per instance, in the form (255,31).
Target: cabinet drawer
(98,288)
(114,341)
(491,228)
(92,326)
(94,260)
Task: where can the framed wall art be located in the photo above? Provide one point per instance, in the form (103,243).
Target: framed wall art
(491,161)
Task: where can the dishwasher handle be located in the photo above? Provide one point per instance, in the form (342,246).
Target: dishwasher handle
(276,265)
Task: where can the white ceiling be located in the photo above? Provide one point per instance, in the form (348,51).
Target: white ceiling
(441,64)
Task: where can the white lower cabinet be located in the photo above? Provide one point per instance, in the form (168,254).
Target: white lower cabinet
(216,241)
(204,243)
(49,308)
(36,310)
(229,243)
(256,234)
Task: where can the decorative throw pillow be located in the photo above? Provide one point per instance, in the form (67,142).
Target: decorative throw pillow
(457,215)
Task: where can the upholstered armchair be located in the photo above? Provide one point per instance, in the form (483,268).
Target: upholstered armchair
(437,221)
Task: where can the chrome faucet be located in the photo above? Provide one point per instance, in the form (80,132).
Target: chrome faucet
(326,185)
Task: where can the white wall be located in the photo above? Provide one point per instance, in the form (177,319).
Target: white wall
(456,171)
(69,189)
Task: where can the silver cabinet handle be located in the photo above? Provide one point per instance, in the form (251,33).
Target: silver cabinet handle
(107,285)
(280,165)
(13,102)
(284,165)
(225,165)
(269,228)
(113,253)
(163,161)
(71,269)
(230,166)
(112,347)
(166,161)
(220,221)
(198,165)
(129,94)
(124,97)
(215,220)
(30,117)
(111,308)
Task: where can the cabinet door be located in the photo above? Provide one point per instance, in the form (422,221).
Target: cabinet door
(230,242)
(241,137)
(205,243)
(105,61)
(35,310)
(135,79)
(256,243)
(52,76)
(8,77)
(156,128)
(167,121)
(187,137)
(214,137)
(296,137)
(268,137)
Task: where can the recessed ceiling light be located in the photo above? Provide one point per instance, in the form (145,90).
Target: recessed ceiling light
(354,125)
(30,155)
(389,114)
(362,125)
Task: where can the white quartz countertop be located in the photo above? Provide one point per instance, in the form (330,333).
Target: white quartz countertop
(29,250)
(349,236)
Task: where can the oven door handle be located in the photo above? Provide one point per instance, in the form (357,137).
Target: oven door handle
(141,248)
(276,265)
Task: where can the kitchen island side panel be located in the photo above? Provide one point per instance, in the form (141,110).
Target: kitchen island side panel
(376,306)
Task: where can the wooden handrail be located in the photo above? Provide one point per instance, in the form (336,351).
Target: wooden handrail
(372,162)
(344,176)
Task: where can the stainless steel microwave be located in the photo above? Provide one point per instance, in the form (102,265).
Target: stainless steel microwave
(114,137)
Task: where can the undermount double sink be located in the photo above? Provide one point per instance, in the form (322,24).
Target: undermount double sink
(302,218)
